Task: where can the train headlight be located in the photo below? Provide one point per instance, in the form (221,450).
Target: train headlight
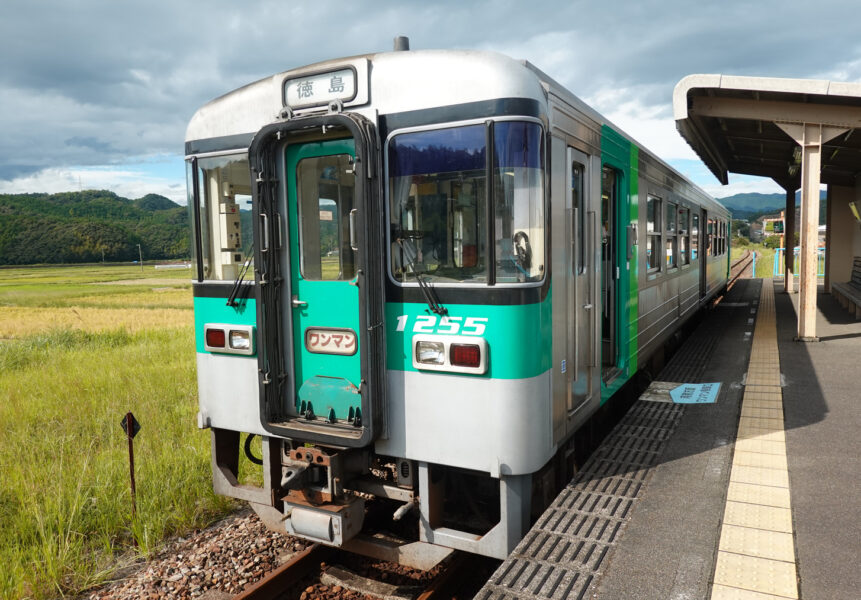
(240,339)
(430,353)
(450,353)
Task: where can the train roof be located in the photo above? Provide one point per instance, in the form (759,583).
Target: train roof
(400,81)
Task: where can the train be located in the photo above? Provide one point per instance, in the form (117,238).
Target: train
(417,274)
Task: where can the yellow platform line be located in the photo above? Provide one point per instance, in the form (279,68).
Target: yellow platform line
(756,554)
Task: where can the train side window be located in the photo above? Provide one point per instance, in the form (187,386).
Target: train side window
(684,236)
(672,243)
(578,226)
(711,240)
(518,190)
(224,188)
(695,235)
(653,234)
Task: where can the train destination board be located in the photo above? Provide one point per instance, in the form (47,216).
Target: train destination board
(321,88)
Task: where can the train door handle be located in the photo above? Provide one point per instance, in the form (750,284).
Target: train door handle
(298,303)
(587,306)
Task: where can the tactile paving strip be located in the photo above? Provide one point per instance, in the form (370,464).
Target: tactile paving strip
(564,551)
(756,555)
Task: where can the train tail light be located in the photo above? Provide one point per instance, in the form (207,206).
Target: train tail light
(465,355)
(215,338)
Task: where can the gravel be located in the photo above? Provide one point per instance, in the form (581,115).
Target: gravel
(212,564)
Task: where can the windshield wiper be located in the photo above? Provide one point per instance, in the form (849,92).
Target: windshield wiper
(231,299)
(426,290)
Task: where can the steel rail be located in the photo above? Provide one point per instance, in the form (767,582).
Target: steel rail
(738,267)
(285,577)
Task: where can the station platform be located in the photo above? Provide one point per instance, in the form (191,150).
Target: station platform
(754,496)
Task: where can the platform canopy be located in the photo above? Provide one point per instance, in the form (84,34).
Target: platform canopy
(734,124)
(798,132)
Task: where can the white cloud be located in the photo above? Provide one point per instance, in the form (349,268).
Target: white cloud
(126,182)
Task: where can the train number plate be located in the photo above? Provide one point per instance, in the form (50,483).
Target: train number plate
(321,340)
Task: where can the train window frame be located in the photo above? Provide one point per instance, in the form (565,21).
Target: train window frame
(311,225)
(220,264)
(684,236)
(654,234)
(490,281)
(671,241)
(579,226)
(695,234)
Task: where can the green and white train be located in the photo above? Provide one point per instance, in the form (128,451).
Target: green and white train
(418,274)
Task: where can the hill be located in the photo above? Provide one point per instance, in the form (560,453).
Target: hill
(86,226)
(750,206)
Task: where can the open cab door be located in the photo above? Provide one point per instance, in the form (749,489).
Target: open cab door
(319,220)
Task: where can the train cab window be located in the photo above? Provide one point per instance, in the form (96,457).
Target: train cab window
(518,202)
(224,198)
(438,194)
(437,205)
(325,187)
(672,243)
(578,226)
(684,236)
(653,234)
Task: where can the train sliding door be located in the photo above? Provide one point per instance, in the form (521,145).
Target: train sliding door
(609,273)
(581,321)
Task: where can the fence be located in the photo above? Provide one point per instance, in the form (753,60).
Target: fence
(779,268)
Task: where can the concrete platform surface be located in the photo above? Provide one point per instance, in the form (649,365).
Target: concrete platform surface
(669,546)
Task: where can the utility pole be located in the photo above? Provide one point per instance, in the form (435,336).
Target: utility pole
(140,257)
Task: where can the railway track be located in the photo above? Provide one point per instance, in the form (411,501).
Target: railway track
(742,267)
(316,573)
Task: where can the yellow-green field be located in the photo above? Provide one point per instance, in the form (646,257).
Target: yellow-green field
(79,347)
(764,258)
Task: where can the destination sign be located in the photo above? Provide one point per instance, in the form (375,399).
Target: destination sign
(320,89)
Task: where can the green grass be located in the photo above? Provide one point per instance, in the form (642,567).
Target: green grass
(65,510)
(764,259)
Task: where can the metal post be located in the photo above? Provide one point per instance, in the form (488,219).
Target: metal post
(753,275)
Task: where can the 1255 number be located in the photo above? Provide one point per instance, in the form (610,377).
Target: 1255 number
(444,325)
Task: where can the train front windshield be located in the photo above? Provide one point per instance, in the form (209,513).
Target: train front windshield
(438,194)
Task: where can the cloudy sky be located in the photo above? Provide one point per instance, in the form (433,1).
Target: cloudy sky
(97,93)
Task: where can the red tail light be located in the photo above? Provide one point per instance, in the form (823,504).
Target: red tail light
(465,355)
(215,338)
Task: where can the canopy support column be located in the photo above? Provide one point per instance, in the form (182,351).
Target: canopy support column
(789,243)
(810,136)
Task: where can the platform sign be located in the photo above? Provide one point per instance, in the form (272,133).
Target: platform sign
(695,393)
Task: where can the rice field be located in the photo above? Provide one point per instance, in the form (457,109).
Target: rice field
(79,347)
